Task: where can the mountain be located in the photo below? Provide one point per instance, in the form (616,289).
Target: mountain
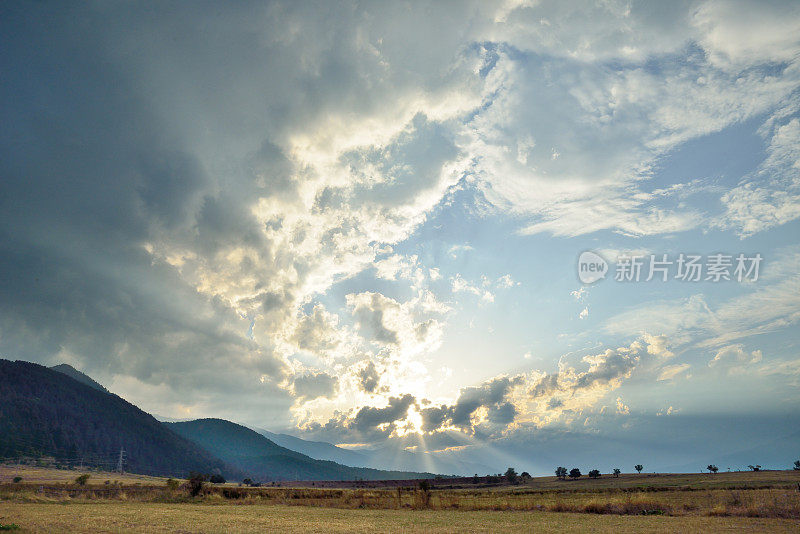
(319,450)
(395,454)
(264,460)
(71,372)
(44,412)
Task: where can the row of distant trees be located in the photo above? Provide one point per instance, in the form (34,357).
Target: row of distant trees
(562,473)
(711,468)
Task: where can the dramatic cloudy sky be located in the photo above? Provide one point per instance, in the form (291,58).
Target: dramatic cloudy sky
(361,222)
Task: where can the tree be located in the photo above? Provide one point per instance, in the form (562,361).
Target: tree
(797,465)
(594,473)
(511,475)
(574,473)
(217,479)
(754,467)
(712,468)
(638,468)
(561,473)
(196,483)
(617,472)
(525,476)
(81,480)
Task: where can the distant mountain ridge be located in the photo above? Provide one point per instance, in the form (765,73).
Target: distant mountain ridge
(254,453)
(319,450)
(71,372)
(46,412)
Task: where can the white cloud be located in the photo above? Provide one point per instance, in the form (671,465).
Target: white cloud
(670,372)
(459,285)
(771,196)
(769,305)
(622,409)
(734,358)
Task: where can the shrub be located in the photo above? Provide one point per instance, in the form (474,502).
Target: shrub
(617,471)
(81,480)
(422,497)
(234,493)
(196,484)
(217,479)
(172,484)
(17,479)
(574,473)
(9,526)
(594,473)
(511,475)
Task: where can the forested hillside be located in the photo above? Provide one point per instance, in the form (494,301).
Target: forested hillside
(47,413)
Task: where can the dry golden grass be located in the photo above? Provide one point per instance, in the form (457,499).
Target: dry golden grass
(46,475)
(161,517)
(764,501)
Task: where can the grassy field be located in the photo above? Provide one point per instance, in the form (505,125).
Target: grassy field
(44,475)
(50,500)
(160,517)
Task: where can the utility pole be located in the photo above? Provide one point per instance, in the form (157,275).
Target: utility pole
(121,461)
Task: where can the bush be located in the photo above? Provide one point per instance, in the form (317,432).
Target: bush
(574,473)
(594,473)
(511,475)
(17,479)
(234,493)
(422,498)
(81,480)
(196,484)
(173,484)
(217,479)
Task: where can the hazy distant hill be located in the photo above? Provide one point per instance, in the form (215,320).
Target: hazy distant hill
(77,375)
(319,450)
(392,455)
(44,412)
(264,460)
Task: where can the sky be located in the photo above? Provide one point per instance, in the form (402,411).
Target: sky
(363,222)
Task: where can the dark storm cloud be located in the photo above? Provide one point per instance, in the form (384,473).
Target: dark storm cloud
(91,171)
(369,417)
(137,140)
(312,385)
(491,395)
(368,424)
(368,378)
